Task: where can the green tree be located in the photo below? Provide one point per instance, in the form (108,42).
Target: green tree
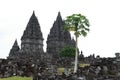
(80,25)
(67,52)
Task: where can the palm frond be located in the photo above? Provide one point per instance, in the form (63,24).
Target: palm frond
(78,23)
(84,33)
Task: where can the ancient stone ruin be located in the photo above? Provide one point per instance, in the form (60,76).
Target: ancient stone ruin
(30,59)
(58,38)
(32,40)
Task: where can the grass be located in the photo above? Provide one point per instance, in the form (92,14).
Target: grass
(16,78)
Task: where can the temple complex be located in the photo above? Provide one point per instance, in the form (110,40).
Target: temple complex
(30,59)
(32,40)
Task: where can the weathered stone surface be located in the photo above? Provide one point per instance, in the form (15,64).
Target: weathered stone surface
(31,42)
(14,51)
(31,60)
(32,39)
(58,38)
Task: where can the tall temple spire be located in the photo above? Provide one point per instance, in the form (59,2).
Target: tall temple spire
(59,16)
(15,43)
(57,28)
(31,41)
(14,50)
(33,13)
(33,29)
(58,38)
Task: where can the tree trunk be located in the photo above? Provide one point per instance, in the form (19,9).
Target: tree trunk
(76,56)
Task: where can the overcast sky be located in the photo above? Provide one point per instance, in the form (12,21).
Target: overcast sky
(104,16)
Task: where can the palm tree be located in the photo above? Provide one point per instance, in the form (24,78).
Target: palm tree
(80,25)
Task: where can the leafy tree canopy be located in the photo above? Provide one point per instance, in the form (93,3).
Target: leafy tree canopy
(67,52)
(78,23)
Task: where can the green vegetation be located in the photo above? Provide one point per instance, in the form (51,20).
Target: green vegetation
(67,52)
(80,25)
(16,78)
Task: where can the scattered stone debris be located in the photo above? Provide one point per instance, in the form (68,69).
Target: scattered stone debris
(31,60)
(97,69)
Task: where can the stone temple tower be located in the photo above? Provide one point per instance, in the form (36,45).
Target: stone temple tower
(14,51)
(58,38)
(31,40)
